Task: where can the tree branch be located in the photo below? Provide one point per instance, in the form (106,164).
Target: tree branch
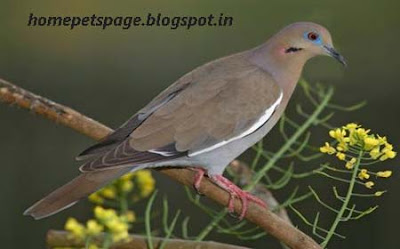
(60,239)
(264,218)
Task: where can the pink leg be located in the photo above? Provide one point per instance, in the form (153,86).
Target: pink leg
(198,178)
(235,191)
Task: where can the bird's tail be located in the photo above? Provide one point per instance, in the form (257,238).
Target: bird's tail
(70,193)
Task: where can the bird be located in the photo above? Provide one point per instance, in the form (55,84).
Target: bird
(204,120)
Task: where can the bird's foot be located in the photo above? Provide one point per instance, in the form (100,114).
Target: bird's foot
(236,192)
(233,190)
(198,177)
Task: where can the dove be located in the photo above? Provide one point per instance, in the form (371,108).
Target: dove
(204,120)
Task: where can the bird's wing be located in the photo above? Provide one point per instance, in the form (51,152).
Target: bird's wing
(117,137)
(213,110)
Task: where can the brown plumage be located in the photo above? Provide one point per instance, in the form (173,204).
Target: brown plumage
(205,119)
(66,196)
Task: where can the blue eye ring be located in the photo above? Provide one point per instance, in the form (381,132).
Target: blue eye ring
(313,37)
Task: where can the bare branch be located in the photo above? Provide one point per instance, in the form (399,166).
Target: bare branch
(264,218)
(14,95)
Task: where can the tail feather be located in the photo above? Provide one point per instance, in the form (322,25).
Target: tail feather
(70,193)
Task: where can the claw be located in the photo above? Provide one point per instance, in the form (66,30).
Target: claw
(235,192)
(234,215)
(197,179)
(198,191)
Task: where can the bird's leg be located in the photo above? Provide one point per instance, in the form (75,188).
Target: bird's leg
(198,177)
(234,192)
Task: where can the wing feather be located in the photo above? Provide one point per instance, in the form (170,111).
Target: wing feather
(243,103)
(222,103)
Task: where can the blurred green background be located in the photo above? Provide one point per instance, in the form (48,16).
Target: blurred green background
(110,74)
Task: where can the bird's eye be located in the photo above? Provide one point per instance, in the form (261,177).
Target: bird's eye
(312,36)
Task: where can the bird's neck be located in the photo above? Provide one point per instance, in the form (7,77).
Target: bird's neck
(284,69)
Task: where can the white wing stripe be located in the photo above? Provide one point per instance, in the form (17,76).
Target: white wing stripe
(267,114)
(162,153)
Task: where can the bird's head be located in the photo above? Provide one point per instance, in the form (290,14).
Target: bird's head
(304,40)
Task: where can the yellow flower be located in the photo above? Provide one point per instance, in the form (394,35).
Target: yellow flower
(93,246)
(145,182)
(375,153)
(147,190)
(327,148)
(382,140)
(363,175)
(76,229)
(379,193)
(358,135)
(338,134)
(110,214)
(99,212)
(117,226)
(358,140)
(384,174)
(341,156)
(369,184)
(127,177)
(109,192)
(351,126)
(126,186)
(353,139)
(362,133)
(104,214)
(96,198)
(93,227)
(370,143)
(350,164)
(129,216)
(342,147)
(388,154)
(388,147)
(120,236)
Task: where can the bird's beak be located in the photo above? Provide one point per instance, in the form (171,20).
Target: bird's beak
(332,52)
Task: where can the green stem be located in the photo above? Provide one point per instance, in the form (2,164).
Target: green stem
(170,230)
(259,150)
(123,201)
(292,140)
(87,241)
(216,219)
(148,220)
(107,241)
(346,202)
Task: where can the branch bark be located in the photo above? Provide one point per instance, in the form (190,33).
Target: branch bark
(270,222)
(60,239)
